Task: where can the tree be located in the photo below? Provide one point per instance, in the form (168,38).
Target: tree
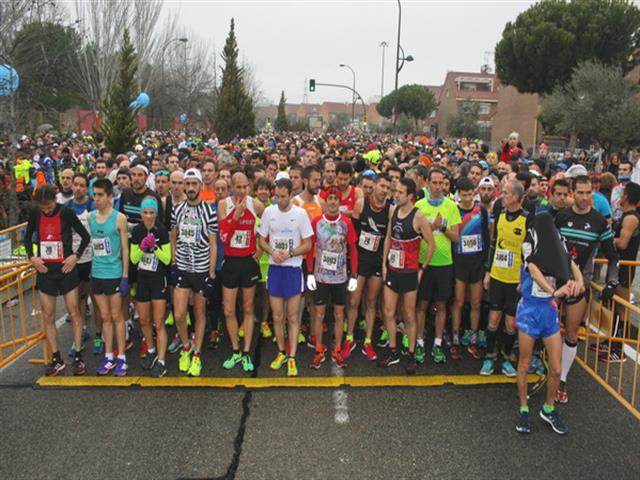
(339,122)
(597,105)
(281,124)
(546,42)
(119,125)
(465,122)
(415,101)
(233,114)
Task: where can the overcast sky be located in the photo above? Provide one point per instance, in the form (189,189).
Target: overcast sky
(287,42)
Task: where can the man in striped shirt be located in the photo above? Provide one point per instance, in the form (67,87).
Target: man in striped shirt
(194,226)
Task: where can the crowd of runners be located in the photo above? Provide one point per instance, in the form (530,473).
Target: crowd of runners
(282,235)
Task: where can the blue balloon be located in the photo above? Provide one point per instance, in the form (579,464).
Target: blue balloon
(183,117)
(9,80)
(141,102)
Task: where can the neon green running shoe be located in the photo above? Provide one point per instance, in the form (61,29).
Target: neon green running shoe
(405,342)
(247,363)
(232,361)
(292,368)
(240,332)
(170,320)
(184,363)
(384,339)
(301,337)
(280,360)
(188,320)
(265,330)
(196,366)
(420,354)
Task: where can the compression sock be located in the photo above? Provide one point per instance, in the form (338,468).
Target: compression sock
(568,356)
(491,342)
(509,339)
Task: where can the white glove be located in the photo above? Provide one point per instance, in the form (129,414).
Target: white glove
(311,283)
(352,285)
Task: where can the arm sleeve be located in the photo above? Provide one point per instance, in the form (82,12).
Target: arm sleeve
(486,238)
(610,254)
(352,239)
(135,253)
(76,225)
(312,253)
(492,248)
(163,252)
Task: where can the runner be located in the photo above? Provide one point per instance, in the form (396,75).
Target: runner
(583,230)
(334,242)
(151,253)
(194,227)
(237,216)
(401,270)
(349,194)
(470,258)
(109,274)
(560,196)
(66,186)
(370,217)
(285,234)
(51,225)
(436,287)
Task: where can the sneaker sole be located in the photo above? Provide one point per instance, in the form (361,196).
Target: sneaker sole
(392,362)
(486,374)
(544,417)
(510,375)
(521,430)
(368,357)
(55,374)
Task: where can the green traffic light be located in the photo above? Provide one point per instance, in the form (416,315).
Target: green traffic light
(312,85)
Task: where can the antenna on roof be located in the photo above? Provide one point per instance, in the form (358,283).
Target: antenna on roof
(486,67)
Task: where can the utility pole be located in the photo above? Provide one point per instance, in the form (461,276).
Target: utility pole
(383,45)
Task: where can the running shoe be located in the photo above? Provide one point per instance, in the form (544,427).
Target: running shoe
(507,369)
(474,352)
(466,338)
(185,359)
(405,344)
(437,352)
(301,337)
(79,368)
(169,321)
(128,344)
(383,341)
(143,352)
(195,369)
(311,343)
(121,368)
(247,363)
(362,325)
(292,368)
(389,358)
(487,367)
(149,361)
(175,345)
(420,353)
(369,351)
(265,330)
(98,346)
(612,356)
(214,339)
(55,368)
(536,366)
(454,351)
(188,320)
(347,347)
(85,336)
(233,360)
(240,332)
(523,425)
(280,360)
(317,360)
(159,370)
(72,351)
(105,366)
(482,339)
(337,358)
(411,367)
(553,419)
(562,396)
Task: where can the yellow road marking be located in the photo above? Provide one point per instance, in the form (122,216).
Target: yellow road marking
(278,382)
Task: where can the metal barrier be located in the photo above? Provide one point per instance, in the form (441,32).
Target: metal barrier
(619,377)
(21,321)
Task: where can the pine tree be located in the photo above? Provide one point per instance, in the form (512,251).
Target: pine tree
(119,125)
(281,124)
(233,114)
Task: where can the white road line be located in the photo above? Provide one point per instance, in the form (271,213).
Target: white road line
(340,397)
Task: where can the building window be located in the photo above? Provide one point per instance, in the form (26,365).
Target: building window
(484,108)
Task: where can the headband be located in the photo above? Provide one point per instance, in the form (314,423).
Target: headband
(149,203)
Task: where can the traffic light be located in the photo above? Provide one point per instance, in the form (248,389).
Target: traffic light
(312,85)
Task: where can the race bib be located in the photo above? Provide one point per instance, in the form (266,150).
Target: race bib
(240,239)
(329,261)
(149,262)
(101,247)
(369,241)
(189,232)
(538,292)
(343,208)
(282,243)
(471,243)
(503,258)
(396,258)
(51,251)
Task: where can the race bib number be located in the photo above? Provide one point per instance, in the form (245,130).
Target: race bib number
(51,250)
(538,292)
(240,239)
(471,243)
(189,232)
(149,262)
(282,243)
(503,258)
(396,258)
(101,247)
(369,241)
(329,261)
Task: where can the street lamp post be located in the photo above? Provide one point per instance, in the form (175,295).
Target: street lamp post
(353,95)
(164,49)
(403,58)
(383,45)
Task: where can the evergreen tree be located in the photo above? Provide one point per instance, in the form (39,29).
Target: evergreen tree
(281,124)
(233,114)
(119,125)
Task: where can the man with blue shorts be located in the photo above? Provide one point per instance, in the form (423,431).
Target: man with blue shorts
(285,234)
(544,279)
